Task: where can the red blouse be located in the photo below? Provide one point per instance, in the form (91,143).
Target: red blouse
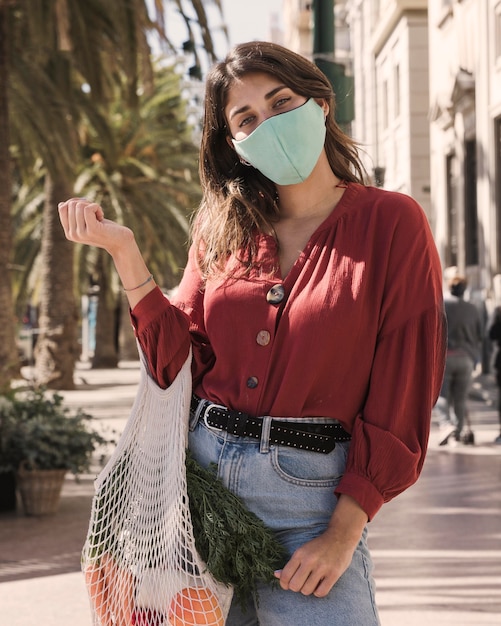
(358,336)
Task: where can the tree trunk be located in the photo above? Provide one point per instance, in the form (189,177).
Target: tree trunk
(106,350)
(57,348)
(9,359)
(127,345)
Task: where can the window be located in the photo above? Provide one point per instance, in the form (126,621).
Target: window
(452,212)
(384,104)
(497,31)
(396,79)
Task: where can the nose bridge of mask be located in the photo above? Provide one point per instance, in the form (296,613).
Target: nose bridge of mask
(283,124)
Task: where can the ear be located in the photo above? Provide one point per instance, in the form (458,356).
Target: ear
(324,105)
(242,161)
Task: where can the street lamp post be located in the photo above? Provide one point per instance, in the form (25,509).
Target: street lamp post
(324,57)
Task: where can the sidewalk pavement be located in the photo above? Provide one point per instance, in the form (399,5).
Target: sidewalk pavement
(40,579)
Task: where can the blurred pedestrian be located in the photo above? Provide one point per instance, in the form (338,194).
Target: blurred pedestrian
(464,339)
(495,335)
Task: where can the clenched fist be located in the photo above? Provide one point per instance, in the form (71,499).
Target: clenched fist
(84,222)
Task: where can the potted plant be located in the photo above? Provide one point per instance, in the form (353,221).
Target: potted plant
(41,440)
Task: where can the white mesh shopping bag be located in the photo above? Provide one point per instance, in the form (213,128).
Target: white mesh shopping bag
(139,559)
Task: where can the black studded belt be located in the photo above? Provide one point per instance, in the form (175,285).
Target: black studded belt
(307,436)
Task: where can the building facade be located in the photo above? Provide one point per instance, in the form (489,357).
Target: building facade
(465,133)
(427,80)
(390,50)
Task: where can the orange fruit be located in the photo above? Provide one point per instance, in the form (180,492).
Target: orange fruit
(195,606)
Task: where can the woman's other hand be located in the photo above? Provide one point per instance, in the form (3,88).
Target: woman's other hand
(316,566)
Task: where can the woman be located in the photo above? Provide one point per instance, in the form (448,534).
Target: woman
(307,297)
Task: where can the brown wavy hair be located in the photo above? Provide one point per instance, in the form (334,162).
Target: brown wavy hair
(238,200)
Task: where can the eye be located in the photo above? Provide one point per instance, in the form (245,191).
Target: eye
(246,120)
(282,101)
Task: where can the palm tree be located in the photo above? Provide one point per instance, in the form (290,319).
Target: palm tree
(149,181)
(145,174)
(9,363)
(57,347)
(48,78)
(58,48)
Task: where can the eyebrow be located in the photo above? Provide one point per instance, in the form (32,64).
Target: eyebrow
(267,96)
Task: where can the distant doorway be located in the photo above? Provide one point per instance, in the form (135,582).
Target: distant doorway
(470,203)
(451,253)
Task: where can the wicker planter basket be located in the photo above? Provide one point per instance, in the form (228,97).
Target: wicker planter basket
(40,490)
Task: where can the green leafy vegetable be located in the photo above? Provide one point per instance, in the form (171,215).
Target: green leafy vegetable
(238,548)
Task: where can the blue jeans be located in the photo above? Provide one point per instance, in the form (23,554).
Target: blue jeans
(454,392)
(292,492)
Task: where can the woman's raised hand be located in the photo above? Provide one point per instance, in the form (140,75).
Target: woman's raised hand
(84,222)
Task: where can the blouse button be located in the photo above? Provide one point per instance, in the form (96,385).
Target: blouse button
(263,338)
(276,294)
(252,382)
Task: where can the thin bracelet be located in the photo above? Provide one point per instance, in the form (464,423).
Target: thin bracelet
(150,278)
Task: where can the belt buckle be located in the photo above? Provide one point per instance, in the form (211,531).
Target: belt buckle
(203,412)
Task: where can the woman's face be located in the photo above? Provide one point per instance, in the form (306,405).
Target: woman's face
(255,98)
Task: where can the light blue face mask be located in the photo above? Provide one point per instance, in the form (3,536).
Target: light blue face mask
(286,147)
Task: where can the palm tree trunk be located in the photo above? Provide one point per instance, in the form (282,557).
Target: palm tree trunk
(9,360)
(106,350)
(57,348)
(127,344)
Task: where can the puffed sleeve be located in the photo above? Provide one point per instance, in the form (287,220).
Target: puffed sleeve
(162,333)
(166,329)
(390,435)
